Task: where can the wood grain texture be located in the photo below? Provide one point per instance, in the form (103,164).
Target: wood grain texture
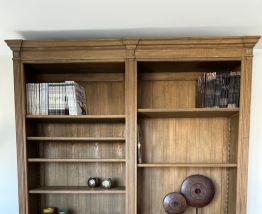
(187,165)
(86,203)
(83,139)
(157,182)
(73,131)
(131,128)
(187,112)
(100,150)
(75,160)
(185,140)
(72,118)
(167,94)
(157,77)
(76,190)
(243,134)
(19,91)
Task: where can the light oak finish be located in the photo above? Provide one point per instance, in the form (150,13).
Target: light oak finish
(60,160)
(76,190)
(82,118)
(172,179)
(84,139)
(145,81)
(187,112)
(188,165)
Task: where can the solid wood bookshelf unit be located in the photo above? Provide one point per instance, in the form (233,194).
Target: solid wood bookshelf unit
(147,81)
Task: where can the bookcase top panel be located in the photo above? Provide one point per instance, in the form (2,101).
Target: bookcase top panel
(118,50)
(142,41)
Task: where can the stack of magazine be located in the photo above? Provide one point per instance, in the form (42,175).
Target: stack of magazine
(56,98)
(218,90)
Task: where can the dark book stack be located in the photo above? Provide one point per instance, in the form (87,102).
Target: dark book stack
(218,90)
(234,89)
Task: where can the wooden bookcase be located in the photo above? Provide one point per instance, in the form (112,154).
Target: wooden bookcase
(147,81)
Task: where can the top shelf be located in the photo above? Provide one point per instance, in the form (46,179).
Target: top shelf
(187,112)
(79,118)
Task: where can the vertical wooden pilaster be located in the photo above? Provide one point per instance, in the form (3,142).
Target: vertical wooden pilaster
(131,126)
(244,124)
(20,127)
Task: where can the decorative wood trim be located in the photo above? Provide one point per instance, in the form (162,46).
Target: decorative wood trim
(241,41)
(243,133)
(130,51)
(20,133)
(131,123)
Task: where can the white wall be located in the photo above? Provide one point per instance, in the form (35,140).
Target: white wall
(255,148)
(8,175)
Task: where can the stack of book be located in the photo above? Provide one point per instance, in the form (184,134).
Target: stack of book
(56,98)
(218,90)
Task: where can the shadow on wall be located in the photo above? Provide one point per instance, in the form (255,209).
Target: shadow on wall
(139,32)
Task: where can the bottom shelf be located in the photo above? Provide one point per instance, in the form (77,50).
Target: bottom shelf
(156,182)
(78,203)
(76,190)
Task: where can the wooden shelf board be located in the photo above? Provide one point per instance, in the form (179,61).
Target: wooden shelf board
(95,139)
(63,160)
(188,112)
(76,190)
(188,165)
(80,118)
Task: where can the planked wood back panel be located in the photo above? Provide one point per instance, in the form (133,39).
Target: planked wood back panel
(167,94)
(186,140)
(85,150)
(105,96)
(150,81)
(155,183)
(83,204)
(58,129)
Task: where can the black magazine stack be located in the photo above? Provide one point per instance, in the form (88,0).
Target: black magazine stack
(218,90)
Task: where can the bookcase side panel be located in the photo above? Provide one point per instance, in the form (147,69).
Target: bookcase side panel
(244,124)
(19,89)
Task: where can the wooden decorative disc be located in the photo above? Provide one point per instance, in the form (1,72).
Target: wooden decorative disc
(198,190)
(174,203)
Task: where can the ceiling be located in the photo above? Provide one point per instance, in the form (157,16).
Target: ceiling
(49,19)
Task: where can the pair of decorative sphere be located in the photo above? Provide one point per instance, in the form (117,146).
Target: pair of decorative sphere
(96,182)
(196,191)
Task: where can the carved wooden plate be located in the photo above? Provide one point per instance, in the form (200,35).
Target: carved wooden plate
(198,190)
(174,203)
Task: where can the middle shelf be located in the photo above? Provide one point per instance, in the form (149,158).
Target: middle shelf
(78,118)
(76,190)
(186,112)
(89,139)
(75,160)
(187,165)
